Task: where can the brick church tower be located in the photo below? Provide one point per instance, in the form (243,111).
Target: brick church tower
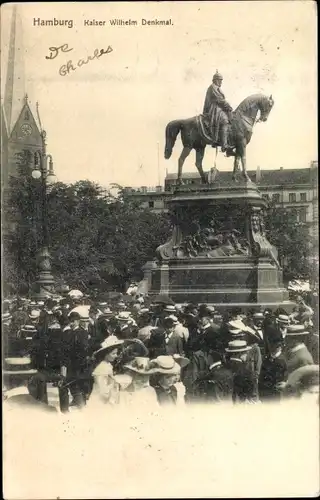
(20,130)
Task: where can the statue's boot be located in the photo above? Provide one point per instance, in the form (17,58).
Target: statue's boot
(224,138)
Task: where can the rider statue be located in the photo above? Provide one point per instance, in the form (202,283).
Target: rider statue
(218,110)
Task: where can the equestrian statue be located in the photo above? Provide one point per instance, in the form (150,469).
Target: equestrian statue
(218,126)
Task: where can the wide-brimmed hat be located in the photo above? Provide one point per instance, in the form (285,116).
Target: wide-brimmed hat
(111,342)
(283,319)
(181,360)
(83,311)
(165,365)
(140,365)
(237,346)
(296,330)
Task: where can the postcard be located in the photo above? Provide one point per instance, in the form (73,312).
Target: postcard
(159,175)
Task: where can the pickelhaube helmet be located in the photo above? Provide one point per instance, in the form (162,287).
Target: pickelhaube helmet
(217,76)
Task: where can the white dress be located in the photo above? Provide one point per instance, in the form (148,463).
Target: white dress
(105,390)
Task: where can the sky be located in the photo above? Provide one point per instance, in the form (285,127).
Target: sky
(105,121)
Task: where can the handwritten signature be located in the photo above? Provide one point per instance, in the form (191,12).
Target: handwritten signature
(65,69)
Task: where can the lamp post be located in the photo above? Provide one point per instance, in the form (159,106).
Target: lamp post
(43,172)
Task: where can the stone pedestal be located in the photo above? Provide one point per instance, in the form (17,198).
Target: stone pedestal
(218,252)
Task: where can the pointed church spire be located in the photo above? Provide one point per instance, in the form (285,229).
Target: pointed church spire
(14,94)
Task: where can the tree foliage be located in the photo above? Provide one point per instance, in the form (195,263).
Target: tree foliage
(292,240)
(96,239)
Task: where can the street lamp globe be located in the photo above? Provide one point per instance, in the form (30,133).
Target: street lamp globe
(36,174)
(51,179)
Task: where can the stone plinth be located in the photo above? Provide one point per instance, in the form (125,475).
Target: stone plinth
(218,252)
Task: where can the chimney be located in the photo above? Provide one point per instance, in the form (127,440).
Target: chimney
(281,168)
(158,189)
(258,175)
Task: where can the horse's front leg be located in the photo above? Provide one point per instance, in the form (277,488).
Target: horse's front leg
(185,153)
(199,158)
(242,151)
(235,167)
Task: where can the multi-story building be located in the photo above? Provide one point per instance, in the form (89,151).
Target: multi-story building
(294,189)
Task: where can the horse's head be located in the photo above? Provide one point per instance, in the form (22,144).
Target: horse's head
(266,105)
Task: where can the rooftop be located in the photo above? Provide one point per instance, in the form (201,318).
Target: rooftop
(267,177)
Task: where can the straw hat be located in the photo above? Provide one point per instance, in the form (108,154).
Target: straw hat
(170,308)
(75,294)
(140,365)
(283,319)
(6,316)
(165,365)
(111,342)
(237,346)
(83,311)
(124,316)
(296,330)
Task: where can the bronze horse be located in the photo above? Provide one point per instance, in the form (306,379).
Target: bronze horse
(240,132)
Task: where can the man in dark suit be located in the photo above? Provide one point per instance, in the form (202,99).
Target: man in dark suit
(75,353)
(274,371)
(165,341)
(296,352)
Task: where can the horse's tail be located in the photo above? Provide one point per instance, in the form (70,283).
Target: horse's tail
(172,130)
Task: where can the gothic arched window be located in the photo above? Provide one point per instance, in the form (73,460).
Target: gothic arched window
(26,115)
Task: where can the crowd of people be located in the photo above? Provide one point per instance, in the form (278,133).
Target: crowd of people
(148,350)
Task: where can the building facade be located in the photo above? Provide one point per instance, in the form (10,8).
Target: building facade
(294,189)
